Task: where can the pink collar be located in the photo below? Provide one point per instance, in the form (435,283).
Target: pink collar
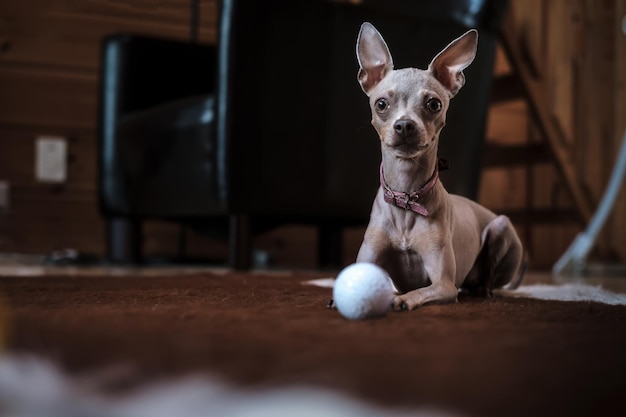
(409,201)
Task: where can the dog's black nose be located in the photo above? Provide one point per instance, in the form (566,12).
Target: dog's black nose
(404,127)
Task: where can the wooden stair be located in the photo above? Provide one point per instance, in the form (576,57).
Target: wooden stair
(524,84)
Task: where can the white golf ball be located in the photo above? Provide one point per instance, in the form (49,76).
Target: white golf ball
(363,290)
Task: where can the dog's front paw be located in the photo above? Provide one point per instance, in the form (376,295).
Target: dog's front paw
(331,304)
(398,304)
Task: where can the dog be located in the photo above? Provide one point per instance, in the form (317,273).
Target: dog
(431,243)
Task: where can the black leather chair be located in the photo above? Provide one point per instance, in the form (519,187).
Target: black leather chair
(270,126)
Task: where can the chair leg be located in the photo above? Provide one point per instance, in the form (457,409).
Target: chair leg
(330,246)
(240,245)
(124,240)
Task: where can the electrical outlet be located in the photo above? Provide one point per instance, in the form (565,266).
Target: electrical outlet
(4,197)
(51,159)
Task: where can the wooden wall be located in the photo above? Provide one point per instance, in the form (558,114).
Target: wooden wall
(573,58)
(49,61)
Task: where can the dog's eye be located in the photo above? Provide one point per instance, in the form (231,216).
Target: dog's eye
(433,105)
(382,104)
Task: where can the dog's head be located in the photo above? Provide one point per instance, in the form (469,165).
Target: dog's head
(409,105)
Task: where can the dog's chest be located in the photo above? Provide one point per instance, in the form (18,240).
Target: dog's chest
(411,237)
(406,268)
(411,232)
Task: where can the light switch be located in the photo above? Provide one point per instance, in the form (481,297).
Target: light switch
(51,159)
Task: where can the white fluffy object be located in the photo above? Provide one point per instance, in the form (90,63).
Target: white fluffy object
(31,387)
(362,291)
(567,292)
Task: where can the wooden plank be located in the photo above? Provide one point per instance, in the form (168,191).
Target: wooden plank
(501,66)
(540,215)
(511,155)
(548,191)
(163,13)
(595,121)
(65,222)
(594,152)
(529,20)
(562,19)
(506,124)
(503,188)
(72,220)
(538,107)
(548,244)
(35,98)
(70,39)
(506,88)
(291,245)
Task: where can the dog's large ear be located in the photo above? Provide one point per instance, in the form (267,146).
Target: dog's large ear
(448,65)
(374,58)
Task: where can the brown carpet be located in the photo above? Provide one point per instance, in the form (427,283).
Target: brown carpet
(480,357)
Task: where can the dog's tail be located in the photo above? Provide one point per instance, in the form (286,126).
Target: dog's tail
(517,280)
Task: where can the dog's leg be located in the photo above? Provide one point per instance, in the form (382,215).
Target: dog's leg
(444,292)
(371,249)
(440,267)
(502,256)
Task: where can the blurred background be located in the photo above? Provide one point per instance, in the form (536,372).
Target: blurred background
(554,122)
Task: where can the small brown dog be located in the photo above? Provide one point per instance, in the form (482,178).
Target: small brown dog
(430,242)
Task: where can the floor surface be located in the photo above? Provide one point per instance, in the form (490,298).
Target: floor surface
(479,357)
